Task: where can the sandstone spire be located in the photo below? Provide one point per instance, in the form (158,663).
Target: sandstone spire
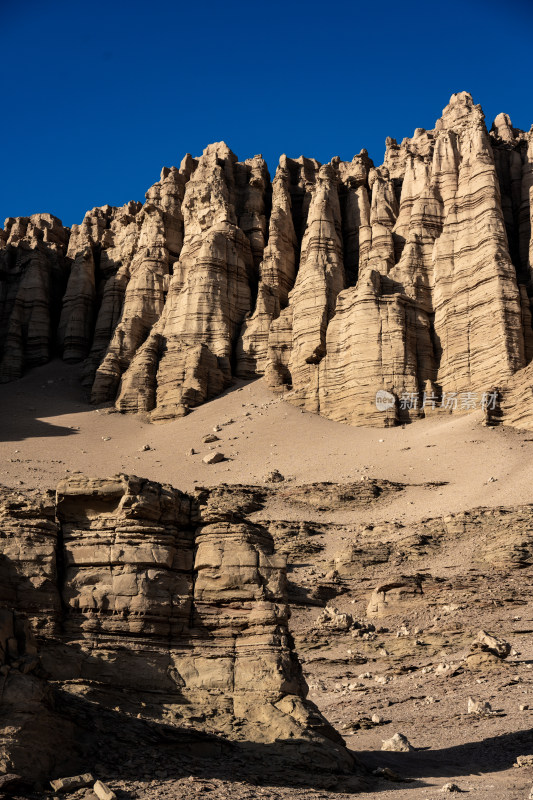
(334,282)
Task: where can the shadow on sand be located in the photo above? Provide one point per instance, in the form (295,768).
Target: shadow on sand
(118,746)
(494,754)
(49,391)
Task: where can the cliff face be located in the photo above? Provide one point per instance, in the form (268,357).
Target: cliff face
(128,591)
(334,282)
(33,276)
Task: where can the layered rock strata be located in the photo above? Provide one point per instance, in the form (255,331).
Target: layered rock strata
(187,358)
(418,318)
(335,281)
(133,597)
(33,275)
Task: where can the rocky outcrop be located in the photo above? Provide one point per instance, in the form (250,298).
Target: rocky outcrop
(277,272)
(417,319)
(111,234)
(336,282)
(131,612)
(33,276)
(187,357)
(514,158)
(125,588)
(35,738)
(146,278)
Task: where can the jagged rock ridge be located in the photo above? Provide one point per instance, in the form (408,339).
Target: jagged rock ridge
(334,281)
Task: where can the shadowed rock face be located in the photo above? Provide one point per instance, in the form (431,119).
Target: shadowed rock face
(129,587)
(33,276)
(333,281)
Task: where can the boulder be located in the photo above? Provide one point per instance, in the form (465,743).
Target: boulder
(487,642)
(397,744)
(394,595)
(214,458)
(103,792)
(72,783)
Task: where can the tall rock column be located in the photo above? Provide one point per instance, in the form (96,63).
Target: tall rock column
(475,296)
(277,273)
(436,308)
(312,300)
(125,592)
(147,278)
(187,356)
(100,249)
(33,272)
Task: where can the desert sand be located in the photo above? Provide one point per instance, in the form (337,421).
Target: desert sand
(413,670)
(48,428)
(222,541)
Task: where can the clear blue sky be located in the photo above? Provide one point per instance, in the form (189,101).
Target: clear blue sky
(98,96)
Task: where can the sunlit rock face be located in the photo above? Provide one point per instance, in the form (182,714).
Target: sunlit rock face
(332,281)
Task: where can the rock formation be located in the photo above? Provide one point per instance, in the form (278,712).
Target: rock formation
(135,615)
(427,283)
(187,357)
(33,276)
(127,591)
(335,281)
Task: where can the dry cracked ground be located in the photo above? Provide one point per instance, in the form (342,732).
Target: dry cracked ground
(402,546)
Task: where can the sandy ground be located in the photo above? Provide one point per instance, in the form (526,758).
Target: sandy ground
(47,429)
(450,463)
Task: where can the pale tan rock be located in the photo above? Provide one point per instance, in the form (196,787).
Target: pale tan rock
(72,783)
(77,314)
(213,458)
(319,281)
(514,156)
(178,600)
(331,618)
(191,345)
(397,744)
(147,278)
(493,644)
(412,320)
(277,271)
(479,356)
(391,596)
(274,477)
(524,761)
(91,306)
(413,278)
(103,792)
(33,736)
(478,706)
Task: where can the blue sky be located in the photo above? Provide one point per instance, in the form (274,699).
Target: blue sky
(97,97)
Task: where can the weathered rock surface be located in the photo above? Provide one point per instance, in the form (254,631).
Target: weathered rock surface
(187,357)
(334,282)
(498,538)
(72,783)
(130,596)
(392,596)
(397,744)
(417,318)
(155,627)
(33,277)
